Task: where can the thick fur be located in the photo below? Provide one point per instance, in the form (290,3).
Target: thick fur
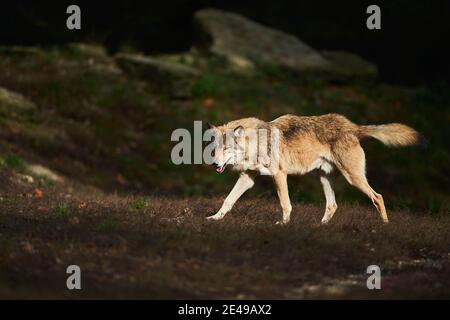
(318,142)
(393,134)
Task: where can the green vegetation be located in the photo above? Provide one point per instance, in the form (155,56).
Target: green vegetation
(109,136)
(94,123)
(139,204)
(12,161)
(63,210)
(207,85)
(169,250)
(108,226)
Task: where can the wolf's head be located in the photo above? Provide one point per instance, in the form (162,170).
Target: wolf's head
(241,143)
(229,146)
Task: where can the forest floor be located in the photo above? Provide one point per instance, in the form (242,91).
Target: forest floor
(135,246)
(134,222)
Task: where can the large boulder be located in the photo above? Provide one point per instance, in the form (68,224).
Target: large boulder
(174,78)
(240,39)
(41,171)
(14,105)
(87,49)
(349,66)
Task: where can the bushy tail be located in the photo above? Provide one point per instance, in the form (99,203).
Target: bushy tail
(393,134)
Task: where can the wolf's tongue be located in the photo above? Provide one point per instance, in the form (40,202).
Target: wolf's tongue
(220,169)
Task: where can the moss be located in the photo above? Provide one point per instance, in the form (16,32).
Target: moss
(139,204)
(108,225)
(13,161)
(62,211)
(92,123)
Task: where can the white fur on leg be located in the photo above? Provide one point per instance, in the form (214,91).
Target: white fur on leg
(329,212)
(218,216)
(330,199)
(244,183)
(280,179)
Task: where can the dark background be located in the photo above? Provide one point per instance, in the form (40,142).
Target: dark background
(135,222)
(411,48)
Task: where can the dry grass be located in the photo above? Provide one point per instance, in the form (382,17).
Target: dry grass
(158,247)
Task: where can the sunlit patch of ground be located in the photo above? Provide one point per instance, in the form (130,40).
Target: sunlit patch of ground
(161,247)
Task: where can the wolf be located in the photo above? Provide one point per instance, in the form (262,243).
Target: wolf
(304,144)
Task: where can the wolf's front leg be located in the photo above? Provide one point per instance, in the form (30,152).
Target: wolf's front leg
(331,205)
(280,179)
(245,182)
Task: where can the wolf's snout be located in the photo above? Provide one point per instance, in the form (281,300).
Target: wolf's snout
(219,168)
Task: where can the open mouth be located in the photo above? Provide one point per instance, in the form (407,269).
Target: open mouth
(220,169)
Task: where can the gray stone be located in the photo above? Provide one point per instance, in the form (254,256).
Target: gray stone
(176,79)
(41,171)
(349,66)
(87,49)
(13,104)
(240,39)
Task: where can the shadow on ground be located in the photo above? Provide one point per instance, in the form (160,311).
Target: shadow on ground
(157,247)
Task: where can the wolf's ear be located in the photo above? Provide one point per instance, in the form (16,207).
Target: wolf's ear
(210,126)
(239,131)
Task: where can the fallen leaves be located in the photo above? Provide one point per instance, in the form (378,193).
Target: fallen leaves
(42,208)
(82,205)
(28,247)
(121,179)
(38,193)
(208,102)
(74,220)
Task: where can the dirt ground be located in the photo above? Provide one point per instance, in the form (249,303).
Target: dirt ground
(141,246)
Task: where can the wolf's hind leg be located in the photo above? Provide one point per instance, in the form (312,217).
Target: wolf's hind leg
(244,183)
(361,183)
(353,168)
(331,205)
(280,180)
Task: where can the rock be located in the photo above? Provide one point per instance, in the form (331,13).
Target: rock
(241,65)
(188,58)
(27,178)
(195,59)
(20,50)
(41,171)
(85,49)
(94,56)
(246,42)
(349,66)
(174,78)
(13,105)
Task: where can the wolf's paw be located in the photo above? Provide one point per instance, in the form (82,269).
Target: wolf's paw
(217,216)
(282,222)
(325,221)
